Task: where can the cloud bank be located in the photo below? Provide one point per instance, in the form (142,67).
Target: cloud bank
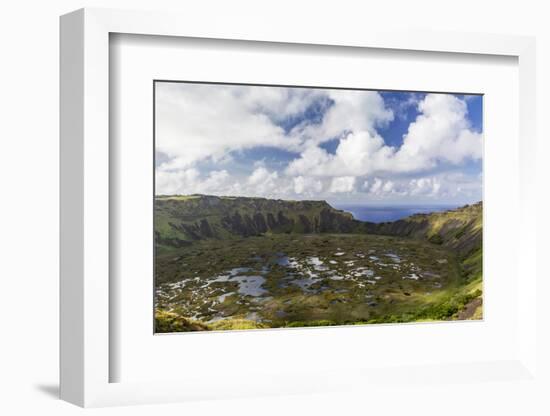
(314,143)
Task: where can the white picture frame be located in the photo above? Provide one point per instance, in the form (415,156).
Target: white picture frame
(85,211)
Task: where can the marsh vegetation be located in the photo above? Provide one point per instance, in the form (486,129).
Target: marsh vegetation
(277,279)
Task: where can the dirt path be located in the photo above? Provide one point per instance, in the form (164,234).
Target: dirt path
(470,308)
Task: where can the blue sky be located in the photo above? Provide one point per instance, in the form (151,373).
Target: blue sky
(344,146)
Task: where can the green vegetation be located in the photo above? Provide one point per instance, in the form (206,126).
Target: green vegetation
(436,239)
(459,230)
(252,263)
(236,324)
(172,322)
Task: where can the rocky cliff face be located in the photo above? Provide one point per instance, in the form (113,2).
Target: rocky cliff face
(182,219)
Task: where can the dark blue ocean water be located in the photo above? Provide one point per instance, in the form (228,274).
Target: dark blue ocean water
(389,213)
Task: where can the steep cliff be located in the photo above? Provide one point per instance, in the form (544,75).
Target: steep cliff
(181,219)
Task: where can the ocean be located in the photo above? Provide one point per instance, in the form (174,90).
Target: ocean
(389,213)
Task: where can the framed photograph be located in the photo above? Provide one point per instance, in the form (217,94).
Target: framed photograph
(287,207)
(290,212)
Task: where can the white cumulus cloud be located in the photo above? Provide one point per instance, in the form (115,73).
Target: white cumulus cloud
(304,185)
(195,122)
(342,184)
(440,134)
(352,111)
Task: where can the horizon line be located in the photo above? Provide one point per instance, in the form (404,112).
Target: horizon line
(350,203)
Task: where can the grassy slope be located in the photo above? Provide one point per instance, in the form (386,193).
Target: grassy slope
(459,229)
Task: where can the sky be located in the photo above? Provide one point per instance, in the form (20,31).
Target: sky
(343,146)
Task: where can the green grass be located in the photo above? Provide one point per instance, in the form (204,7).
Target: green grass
(236,324)
(166,322)
(172,322)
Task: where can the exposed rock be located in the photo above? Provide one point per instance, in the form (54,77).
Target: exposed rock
(180,219)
